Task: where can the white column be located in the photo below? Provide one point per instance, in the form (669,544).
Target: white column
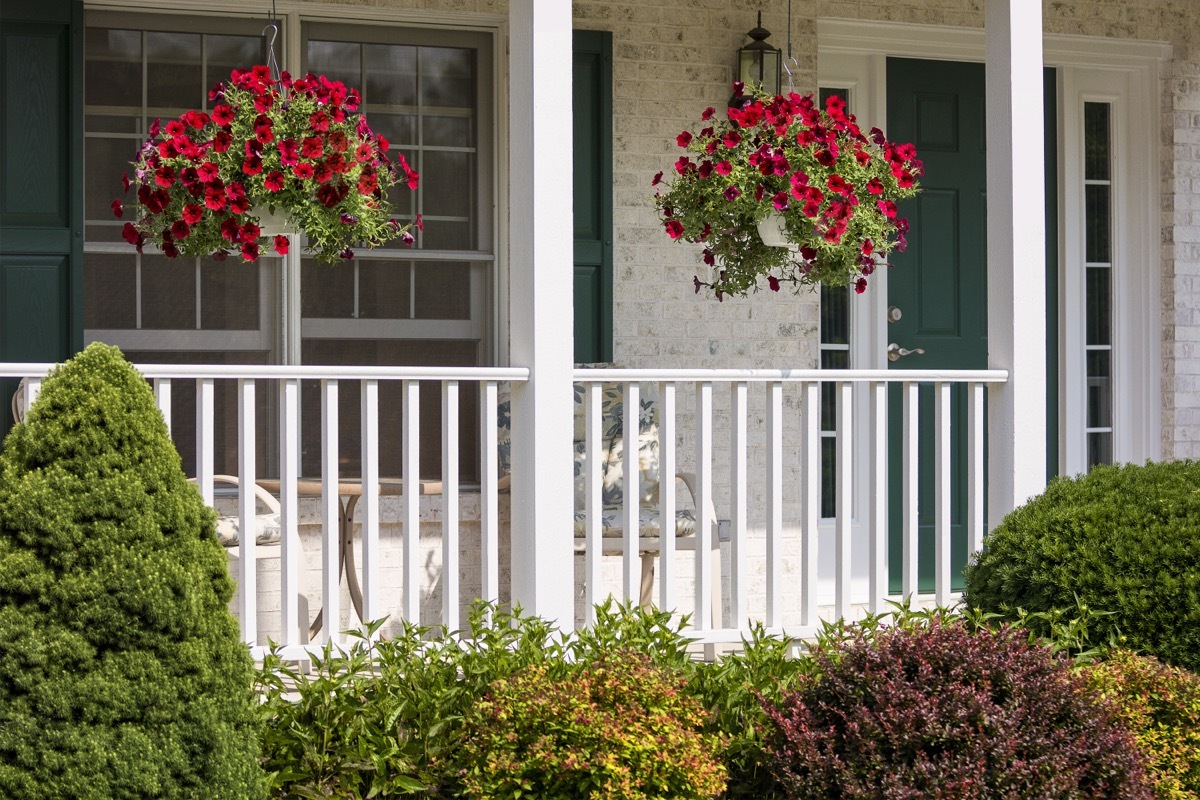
(541,313)
(1016,236)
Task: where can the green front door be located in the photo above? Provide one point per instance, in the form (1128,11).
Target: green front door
(939,285)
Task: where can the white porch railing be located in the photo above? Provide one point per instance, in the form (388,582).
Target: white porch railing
(757,475)
(862,478)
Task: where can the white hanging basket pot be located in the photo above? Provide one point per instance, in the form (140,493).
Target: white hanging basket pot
(274,223)
(773,232)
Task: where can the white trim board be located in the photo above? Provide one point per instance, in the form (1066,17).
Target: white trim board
(951,43)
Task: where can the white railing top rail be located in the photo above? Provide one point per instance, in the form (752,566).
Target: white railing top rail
(797,375)
(306,372)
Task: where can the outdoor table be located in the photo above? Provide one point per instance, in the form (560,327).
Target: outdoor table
(349,490)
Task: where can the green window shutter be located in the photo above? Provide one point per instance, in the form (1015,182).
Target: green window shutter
(592,97)
(41,185)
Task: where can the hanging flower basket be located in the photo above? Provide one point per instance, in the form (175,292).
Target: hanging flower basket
(784,191)
(271,158)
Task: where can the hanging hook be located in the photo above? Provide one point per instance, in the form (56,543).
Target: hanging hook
(786,68)
(273,27)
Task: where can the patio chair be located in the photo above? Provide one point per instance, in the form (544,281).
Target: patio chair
(612,498)
(18,401)
(269,539)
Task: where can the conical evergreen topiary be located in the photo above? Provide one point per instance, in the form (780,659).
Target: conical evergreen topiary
(121,670)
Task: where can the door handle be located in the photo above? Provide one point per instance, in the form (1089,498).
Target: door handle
(895,352)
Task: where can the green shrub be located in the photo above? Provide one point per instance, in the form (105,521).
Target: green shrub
(1123,539)
(618,728)
(938,710)
(407,696)
(122,673)
(1161,705)
(730,690)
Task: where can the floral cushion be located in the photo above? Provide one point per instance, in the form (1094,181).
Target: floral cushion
(270,530)
(612,409)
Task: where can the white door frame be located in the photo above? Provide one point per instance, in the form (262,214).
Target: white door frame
(853,54)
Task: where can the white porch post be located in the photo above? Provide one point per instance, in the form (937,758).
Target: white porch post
(541,313)
(1016,235)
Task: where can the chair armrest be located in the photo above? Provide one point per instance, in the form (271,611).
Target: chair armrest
(688,479)
(263,496)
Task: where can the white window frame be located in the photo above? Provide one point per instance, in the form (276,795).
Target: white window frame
(854,54)
(294,14)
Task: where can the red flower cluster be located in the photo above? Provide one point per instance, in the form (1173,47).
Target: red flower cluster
(835,186)
(298,145)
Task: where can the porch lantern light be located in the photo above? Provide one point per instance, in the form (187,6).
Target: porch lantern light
(758,62)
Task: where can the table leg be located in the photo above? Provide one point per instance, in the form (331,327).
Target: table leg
(345,562)
(352,582)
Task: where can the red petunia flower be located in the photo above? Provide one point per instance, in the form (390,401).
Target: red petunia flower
(129,233)
(674,228)
(323,174)
(192,213)
(252,165)
(274,181)
(222,114)
(281,245)
(683,139)
(214,198)
(164,177)
(175,129)
(319,121)
(773,282)
(312,147)
(263,103)
(860,285)
(303,171)
(250,251)
(125,181)
(657,179)
(117,210)
(708,113)
(221,142)
(363,153)
(207,171)
(732,193)
(180,229)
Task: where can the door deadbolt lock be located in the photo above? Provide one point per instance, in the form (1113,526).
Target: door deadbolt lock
(895,352)
(894,314)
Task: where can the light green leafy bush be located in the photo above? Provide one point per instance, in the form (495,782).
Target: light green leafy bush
(1161,706)
(122,673)
(618,728)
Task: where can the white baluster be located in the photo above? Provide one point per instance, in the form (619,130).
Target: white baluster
(845,497)
(632,489)
(247,514)
(666,494)
(810,500)
(371,589)
(411,458)
(976,471)
(704,516)
(295,631)
(774,503)
(878,524)
(162,398)
(204,438)
(942,479)
(593,500)
(737,440)
(911,465)
(331,508)
(490,512)
(450,550)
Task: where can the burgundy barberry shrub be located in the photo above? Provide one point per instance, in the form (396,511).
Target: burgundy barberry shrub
(618,728)
(938,711)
